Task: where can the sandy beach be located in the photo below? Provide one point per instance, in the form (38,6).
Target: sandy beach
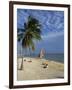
(35,70)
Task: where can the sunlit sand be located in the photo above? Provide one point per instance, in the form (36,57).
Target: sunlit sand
(34,69)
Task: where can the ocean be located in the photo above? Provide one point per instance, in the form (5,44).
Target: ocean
(55,57)
(52,57)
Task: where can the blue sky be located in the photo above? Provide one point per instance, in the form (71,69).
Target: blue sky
(52,28)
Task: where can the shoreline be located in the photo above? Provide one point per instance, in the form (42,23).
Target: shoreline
(34,70)
(42,59)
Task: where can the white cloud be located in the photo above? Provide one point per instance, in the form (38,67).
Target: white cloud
(52,35)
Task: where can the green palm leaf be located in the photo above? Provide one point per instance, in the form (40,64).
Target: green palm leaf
(30,33)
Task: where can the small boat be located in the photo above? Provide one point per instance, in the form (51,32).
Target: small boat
(42,53)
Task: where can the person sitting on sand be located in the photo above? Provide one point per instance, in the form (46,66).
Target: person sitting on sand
(45,64)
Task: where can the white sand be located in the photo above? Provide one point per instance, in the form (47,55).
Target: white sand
(34,70)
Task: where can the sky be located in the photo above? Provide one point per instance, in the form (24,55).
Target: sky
(52,26)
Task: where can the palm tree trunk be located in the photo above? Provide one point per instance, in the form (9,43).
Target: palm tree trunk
(29,53)
(21,68)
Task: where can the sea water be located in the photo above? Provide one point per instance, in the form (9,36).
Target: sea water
(55,57)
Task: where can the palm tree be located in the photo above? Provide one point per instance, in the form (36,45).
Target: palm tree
(19,37)
(31,32)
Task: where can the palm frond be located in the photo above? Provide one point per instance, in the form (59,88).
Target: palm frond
(20,30)
(31,32)
(19,36)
